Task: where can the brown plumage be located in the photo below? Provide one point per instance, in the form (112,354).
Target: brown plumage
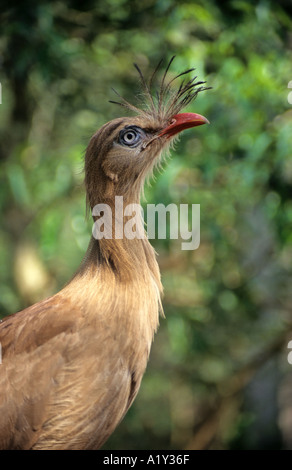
(72,364)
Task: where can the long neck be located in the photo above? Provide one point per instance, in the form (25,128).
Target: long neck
(119,242)
(119,279)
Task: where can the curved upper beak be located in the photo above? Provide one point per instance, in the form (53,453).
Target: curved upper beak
(183,121)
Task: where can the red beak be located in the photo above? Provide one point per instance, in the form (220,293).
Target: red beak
(183,121)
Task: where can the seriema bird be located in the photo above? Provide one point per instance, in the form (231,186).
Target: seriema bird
(72,364)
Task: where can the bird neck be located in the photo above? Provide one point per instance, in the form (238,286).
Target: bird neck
(119,271)
(119,242)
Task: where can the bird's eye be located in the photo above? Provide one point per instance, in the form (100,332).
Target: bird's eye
(130,137)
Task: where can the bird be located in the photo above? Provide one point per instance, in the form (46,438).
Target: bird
(72,364)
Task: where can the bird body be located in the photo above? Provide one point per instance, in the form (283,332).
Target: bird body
(72,364)
(76,364)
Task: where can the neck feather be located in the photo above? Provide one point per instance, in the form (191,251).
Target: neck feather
(128,257)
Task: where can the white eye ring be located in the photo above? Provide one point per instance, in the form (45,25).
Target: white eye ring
(130,136)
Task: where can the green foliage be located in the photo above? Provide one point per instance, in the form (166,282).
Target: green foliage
(228,302)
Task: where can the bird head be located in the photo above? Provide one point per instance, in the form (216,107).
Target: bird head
(124,151)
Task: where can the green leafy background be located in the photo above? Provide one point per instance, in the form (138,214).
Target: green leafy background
(218,376)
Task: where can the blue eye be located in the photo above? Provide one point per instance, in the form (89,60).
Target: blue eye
(130,136)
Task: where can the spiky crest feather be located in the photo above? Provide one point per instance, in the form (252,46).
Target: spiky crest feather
(167,102)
